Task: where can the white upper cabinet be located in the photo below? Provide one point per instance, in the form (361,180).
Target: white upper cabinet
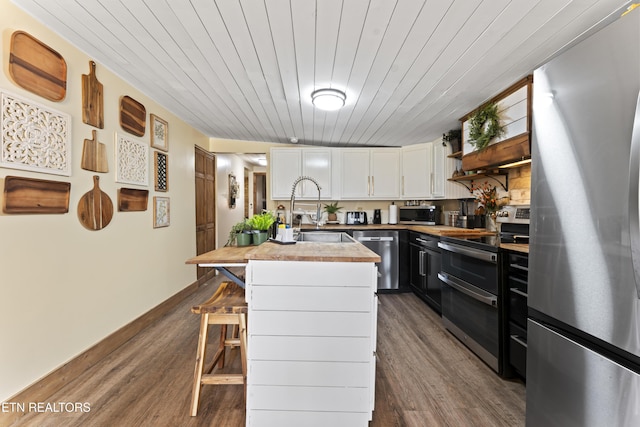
(370,173)
(287,164)
(424,171)
(416,167)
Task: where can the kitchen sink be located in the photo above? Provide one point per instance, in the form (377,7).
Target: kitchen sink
(324,237)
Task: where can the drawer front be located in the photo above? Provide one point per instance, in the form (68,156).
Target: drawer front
(338,399)
(259,418)
(518,306)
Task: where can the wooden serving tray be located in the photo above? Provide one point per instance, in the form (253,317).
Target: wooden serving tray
(36,67)
(29,195)
(133,116)
(131,200)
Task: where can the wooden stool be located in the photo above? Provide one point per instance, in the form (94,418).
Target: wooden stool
(226,307)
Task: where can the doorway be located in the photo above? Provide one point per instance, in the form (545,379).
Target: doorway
(205,181)
(259,192)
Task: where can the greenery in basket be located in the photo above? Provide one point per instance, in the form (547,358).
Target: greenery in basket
(485,125)
(332,208)
(263,221)
(236,229)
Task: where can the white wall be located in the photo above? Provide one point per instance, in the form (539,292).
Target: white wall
(64,288)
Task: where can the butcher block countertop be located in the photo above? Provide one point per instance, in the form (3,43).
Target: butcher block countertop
(300,251)
(436,230)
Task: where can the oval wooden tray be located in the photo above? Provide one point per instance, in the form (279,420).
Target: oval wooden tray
(36,67)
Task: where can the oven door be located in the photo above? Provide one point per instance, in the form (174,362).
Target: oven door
(471,314)
(471,265)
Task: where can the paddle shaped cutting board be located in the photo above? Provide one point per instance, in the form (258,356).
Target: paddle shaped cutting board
(95,208)
(92,98)
(94,155)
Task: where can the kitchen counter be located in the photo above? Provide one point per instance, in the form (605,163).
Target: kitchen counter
(301,251)
(515,247)
(436,230)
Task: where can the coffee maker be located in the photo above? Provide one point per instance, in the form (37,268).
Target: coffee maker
(377,216)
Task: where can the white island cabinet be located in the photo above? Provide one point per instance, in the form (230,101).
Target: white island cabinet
(311,341)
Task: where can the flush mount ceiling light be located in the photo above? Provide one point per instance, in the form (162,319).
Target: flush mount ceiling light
(328,99)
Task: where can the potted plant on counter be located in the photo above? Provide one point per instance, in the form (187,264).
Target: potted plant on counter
(261,223)
(240,233)
(332,209)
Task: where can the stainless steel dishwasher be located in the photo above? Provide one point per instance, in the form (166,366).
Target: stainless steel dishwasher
(385,244)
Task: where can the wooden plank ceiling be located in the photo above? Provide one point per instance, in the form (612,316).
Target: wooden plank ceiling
(245,69)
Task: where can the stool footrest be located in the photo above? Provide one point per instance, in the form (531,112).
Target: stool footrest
(222,379)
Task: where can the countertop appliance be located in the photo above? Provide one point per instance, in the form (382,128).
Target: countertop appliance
(423,215)
(377,216)
(356,218)
(386,244)
(583,355)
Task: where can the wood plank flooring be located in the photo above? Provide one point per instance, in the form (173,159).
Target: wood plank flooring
(425,377)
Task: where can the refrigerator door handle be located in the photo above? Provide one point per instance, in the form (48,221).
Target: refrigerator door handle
(634,187)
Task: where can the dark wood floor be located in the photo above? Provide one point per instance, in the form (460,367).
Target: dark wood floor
(425,377)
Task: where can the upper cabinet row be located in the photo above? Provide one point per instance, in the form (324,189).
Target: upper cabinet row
(413,172)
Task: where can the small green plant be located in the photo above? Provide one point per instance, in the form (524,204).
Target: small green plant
(236,229)
(332,208)
(263,221)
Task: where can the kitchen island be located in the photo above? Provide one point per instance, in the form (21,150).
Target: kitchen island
(311,332)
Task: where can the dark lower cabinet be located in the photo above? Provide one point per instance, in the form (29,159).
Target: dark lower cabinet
(425,260)
(517,270)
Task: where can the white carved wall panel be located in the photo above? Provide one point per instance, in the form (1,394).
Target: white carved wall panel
(132,161)
(34,137)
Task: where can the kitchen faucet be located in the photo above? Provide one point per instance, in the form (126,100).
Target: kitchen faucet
(293,198)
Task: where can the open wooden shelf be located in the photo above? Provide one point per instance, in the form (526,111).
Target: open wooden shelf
(494,176)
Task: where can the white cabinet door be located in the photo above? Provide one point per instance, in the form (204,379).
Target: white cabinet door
(285,166)
(438,163)
(416,161)
(385,173)
(355,178)
(316,163)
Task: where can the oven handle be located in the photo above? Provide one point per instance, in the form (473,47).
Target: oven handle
(465,288)
(473,253)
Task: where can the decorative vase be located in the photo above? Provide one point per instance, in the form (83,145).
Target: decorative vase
(491,222)
(260,237)
(243,239)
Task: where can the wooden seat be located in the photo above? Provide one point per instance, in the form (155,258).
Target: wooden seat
(226,307)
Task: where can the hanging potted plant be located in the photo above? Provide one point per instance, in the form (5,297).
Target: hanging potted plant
(261,223)
(332,209)
(240,233)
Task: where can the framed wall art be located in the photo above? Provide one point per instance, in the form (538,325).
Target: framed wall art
(34,137)
(161,167)
(159,133)
(161,210)
(132,161)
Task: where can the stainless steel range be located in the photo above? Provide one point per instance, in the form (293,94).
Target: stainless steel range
(474,305)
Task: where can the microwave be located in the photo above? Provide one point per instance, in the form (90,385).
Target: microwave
(422,215)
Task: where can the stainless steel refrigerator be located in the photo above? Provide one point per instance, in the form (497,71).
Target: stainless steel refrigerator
(583,354)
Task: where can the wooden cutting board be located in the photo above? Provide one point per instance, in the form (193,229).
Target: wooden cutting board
(133,116)
(94,155)
(92,98)
(36,67)
(95,208)
(35,196)
(131,200)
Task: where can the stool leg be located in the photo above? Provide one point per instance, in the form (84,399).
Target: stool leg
(223,337)
(197,376)
(242,334)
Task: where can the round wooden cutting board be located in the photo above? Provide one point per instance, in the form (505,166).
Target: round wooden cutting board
(95,208)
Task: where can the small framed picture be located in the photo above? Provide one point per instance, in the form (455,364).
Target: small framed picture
(161,210)
(161,167)
(159,133)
